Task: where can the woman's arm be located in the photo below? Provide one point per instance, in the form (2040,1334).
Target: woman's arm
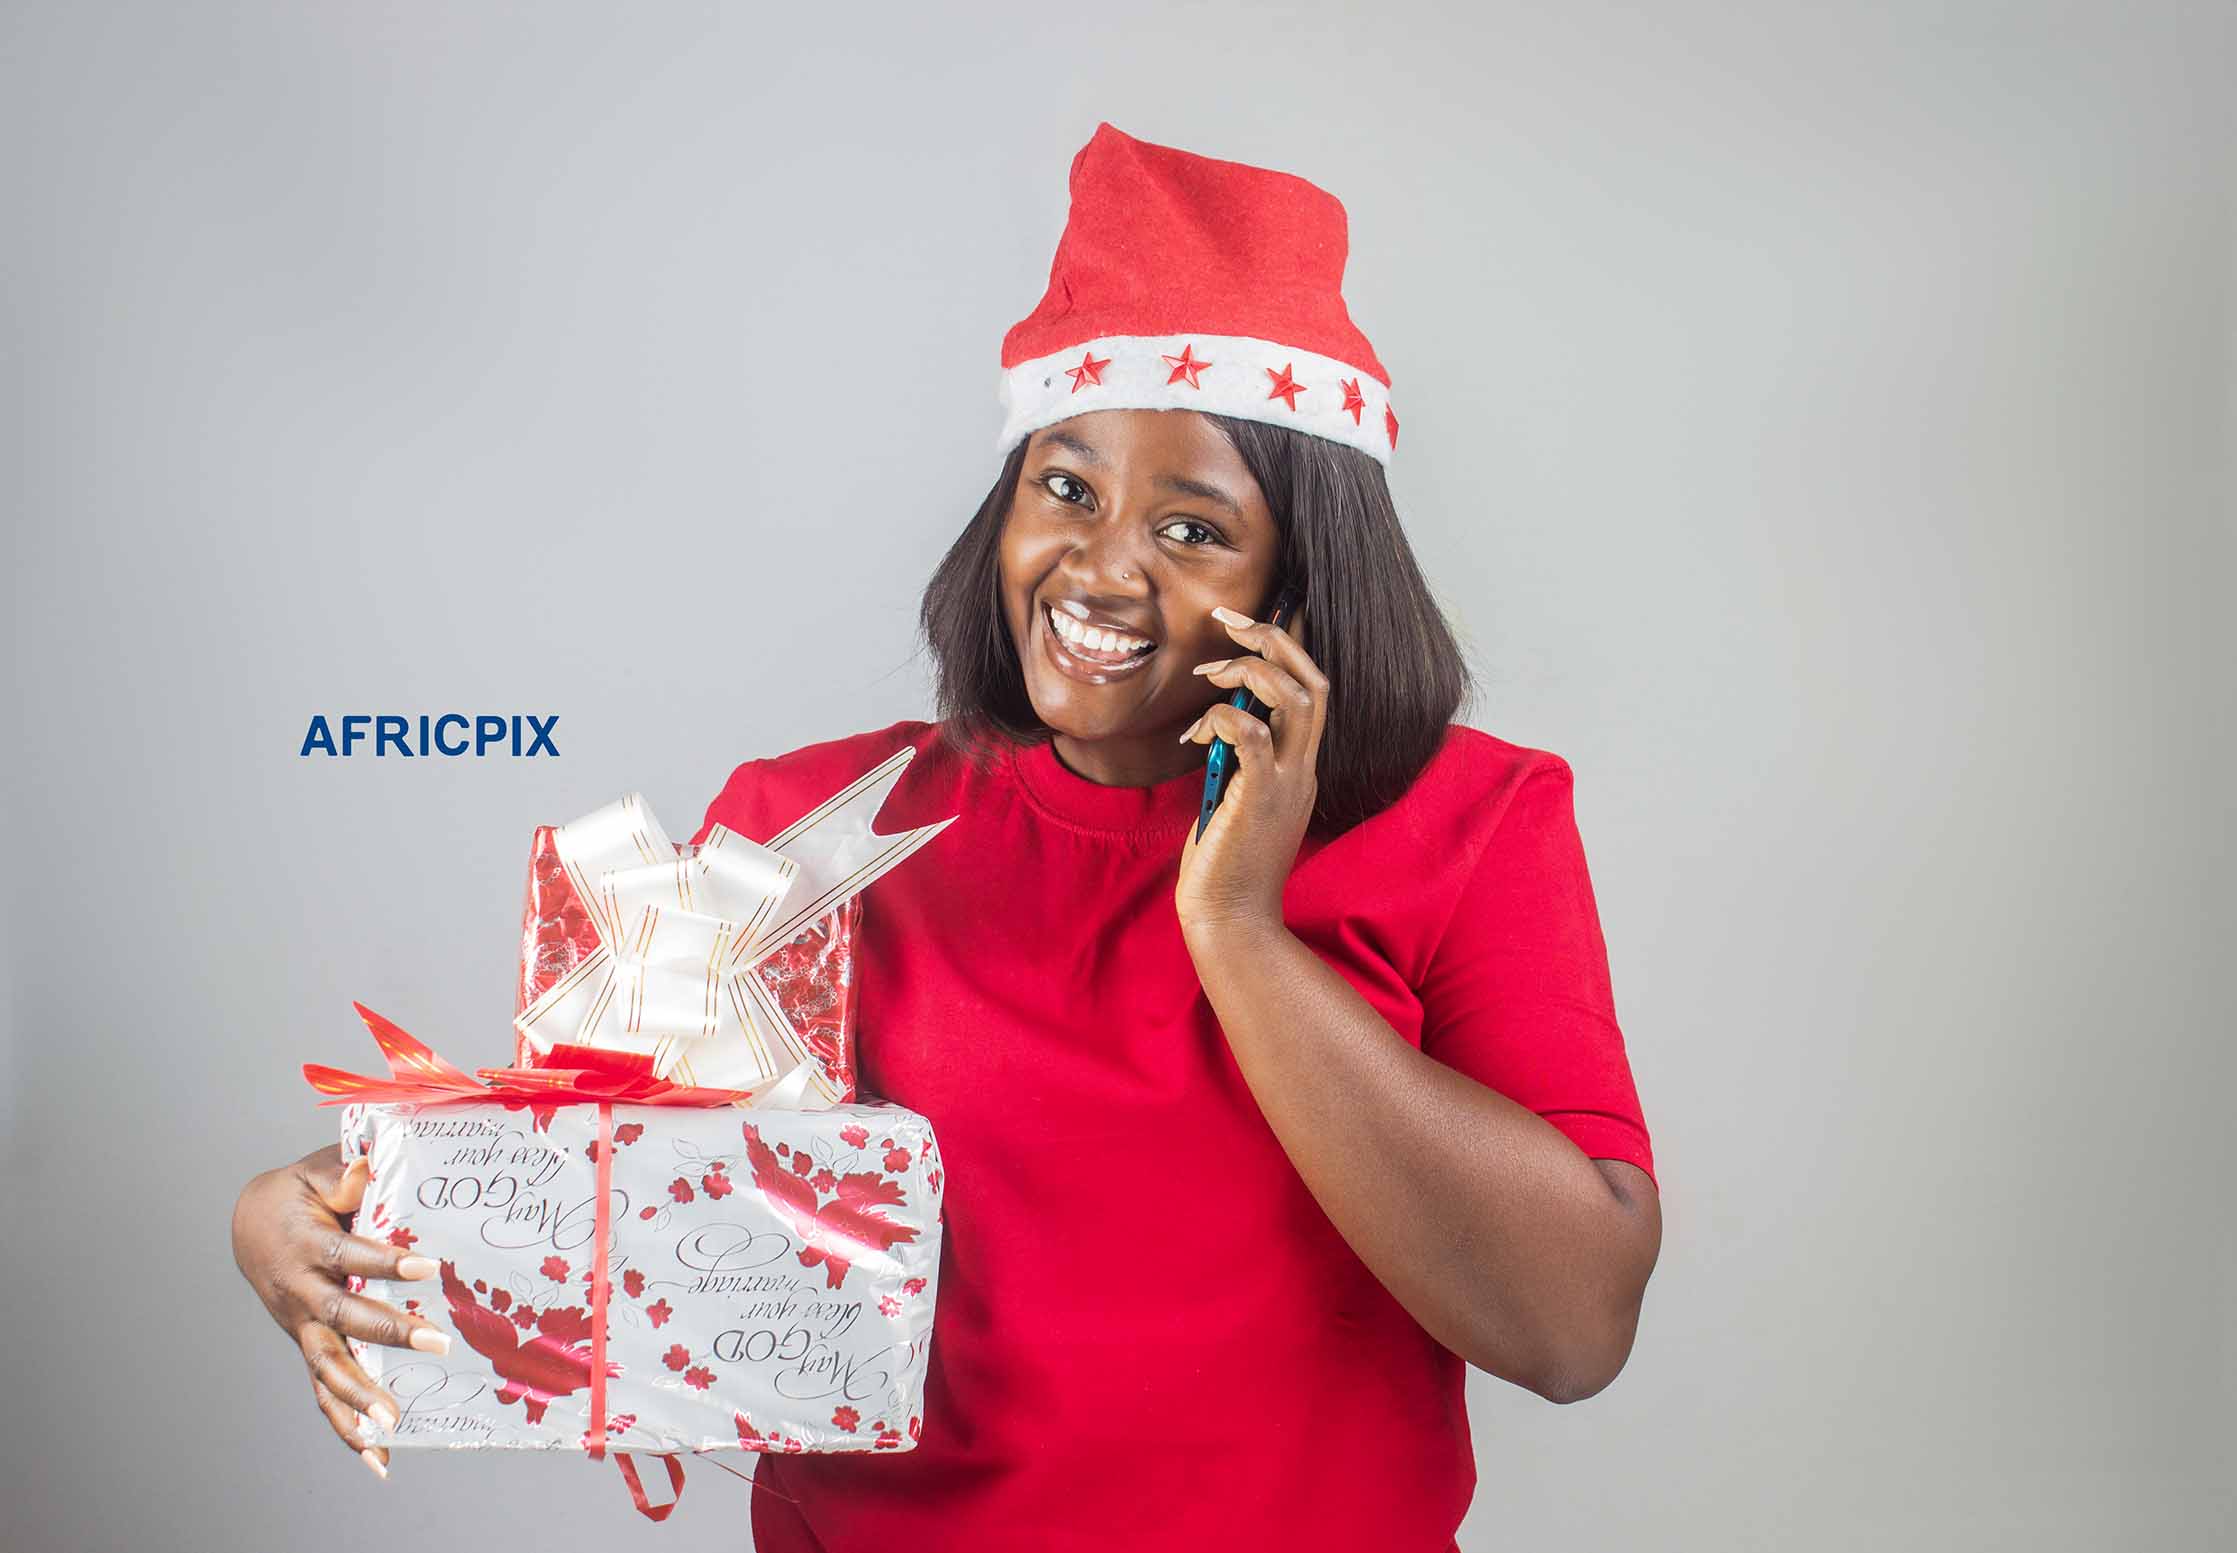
(1505,1242)
(1497,1233)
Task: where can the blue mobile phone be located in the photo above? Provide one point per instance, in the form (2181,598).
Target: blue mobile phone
(1219,766)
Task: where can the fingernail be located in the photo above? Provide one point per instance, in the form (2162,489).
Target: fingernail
(1192,727)
(1213,667)
(384,1415)
(373,1460)
(412,1269)
(429,1340)
(1227,616)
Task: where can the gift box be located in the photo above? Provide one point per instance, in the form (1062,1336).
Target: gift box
(671,1226)
(770,1274)
(811,976)
(726,964)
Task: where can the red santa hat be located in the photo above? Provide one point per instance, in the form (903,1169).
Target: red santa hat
(1186,283)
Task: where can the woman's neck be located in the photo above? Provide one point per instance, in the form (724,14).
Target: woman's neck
(1122,762)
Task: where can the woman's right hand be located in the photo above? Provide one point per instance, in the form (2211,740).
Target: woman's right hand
(291,1244)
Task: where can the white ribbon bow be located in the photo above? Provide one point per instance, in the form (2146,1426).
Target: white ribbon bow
(681,936)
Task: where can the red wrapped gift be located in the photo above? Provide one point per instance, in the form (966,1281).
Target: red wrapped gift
(812,977)
(727,964)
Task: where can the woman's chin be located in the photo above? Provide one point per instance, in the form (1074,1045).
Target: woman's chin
(1078,717)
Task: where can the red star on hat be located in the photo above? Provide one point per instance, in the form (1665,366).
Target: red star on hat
(1186,366)
(1390,424)
(1286,388)
(1352,399)
(1088,371)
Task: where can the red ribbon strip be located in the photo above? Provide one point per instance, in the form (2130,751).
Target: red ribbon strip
(578,1075)
(572,1075)
(601,1288)
(650,1511)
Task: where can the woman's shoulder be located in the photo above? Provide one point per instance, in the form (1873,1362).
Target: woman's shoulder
(765,794)
(1473,767)
(1465,792)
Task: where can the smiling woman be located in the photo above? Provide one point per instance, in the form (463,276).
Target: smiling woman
(1140,522)
(1255,1139)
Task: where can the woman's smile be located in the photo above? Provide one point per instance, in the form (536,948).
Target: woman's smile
(1088,651)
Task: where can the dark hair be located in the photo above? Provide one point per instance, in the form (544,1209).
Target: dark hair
(1395,673)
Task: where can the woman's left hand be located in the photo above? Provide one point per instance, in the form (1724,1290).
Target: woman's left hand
(1234,875)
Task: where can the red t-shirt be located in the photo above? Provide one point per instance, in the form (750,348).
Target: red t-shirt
(1149,1335)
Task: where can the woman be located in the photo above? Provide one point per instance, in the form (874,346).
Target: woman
(1253,1141)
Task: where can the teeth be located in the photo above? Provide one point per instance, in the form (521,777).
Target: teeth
(1094,638)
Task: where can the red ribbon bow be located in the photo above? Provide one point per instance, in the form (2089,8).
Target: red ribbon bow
(571,1075)
(574,1075)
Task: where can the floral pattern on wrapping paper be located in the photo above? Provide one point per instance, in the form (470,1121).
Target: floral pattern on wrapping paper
(532,1370)
(833,1233)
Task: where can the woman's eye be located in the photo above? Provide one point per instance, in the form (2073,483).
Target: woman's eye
(1059,485)
(1209,534)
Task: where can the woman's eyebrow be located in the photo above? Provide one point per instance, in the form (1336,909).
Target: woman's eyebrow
(1200,491)
(1084,451)
(1178,484)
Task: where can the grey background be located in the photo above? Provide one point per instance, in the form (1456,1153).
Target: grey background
(1817,419)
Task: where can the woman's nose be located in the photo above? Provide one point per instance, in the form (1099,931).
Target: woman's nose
(1111,559)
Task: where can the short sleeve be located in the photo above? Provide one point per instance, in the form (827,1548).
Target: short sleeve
(764,796)
(732,806)
(1516,994)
